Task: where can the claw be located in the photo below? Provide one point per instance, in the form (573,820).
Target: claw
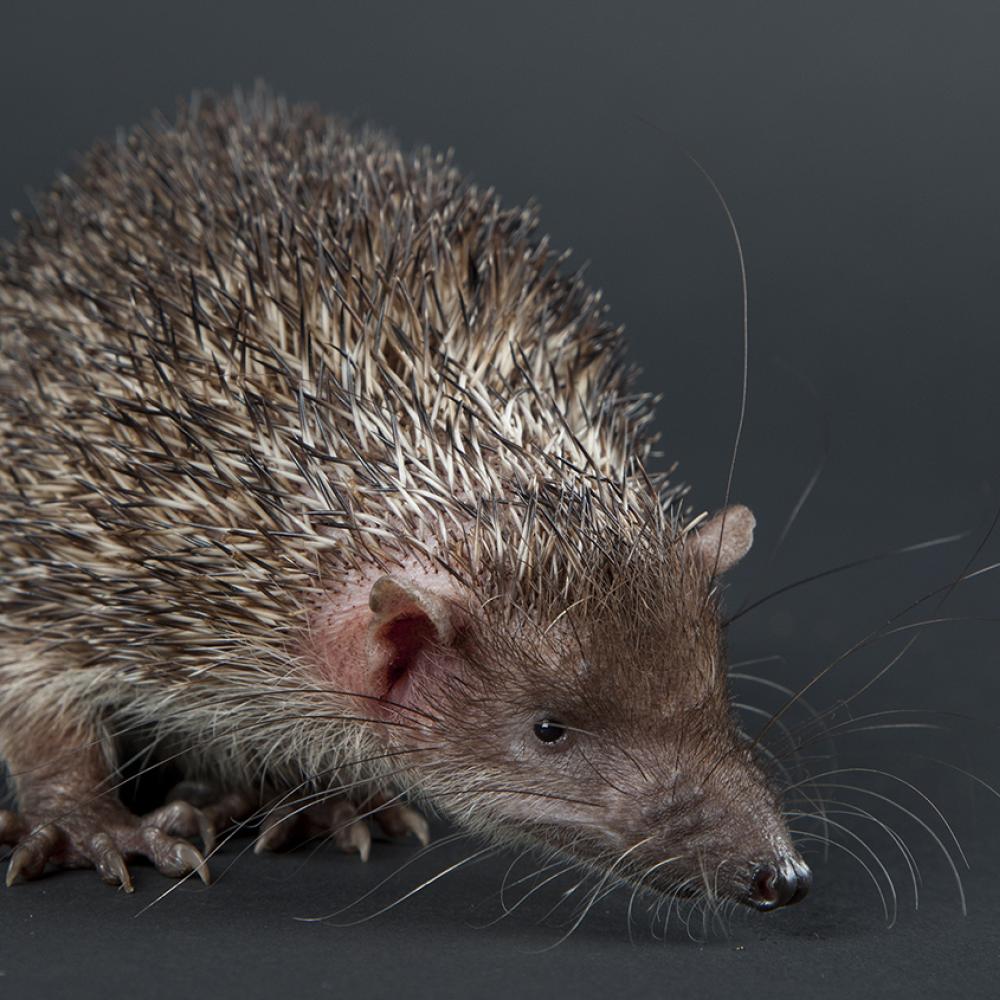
(275,835)
(264,842)
(103,836)
(189,859)
(30,856)
(18,862)
(360,838)
(206,830)
(171,856)
(416,824)
(400,820)
(181,819)
(113,869)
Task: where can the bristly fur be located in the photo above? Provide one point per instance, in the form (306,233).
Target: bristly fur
(267,383)
(249,351)
(251,363)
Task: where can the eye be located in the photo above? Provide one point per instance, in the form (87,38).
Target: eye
(550,731)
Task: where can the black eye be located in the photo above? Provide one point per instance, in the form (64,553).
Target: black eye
(550,731)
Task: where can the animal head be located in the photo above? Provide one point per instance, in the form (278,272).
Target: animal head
(604,731)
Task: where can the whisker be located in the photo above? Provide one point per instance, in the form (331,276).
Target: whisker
(564,866)
(804,836)
(595,893)
(412,892)
(961,770)
(638,885)
(930,831)
(817,472)
(851,809)
(842,568)
(878,861)
(948,589)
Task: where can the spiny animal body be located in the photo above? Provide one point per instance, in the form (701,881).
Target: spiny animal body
(321,480)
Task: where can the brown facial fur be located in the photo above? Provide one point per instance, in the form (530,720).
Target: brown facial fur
(652,776)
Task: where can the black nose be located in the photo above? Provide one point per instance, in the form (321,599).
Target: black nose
(779,884)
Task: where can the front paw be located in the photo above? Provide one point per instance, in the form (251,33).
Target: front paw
(103,835)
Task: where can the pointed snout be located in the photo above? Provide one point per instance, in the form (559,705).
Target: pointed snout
(779,884)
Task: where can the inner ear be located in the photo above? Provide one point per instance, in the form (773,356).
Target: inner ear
(407,621)
(403,640)
(722,541)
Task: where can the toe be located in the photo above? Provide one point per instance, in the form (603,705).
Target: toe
(278,831)
(109,861)
(361,839)
(183,859)
(234,807)
(12,827)
(29,858)
(181,819)
(354,837)
(172,856)
(399,821)
(221,809)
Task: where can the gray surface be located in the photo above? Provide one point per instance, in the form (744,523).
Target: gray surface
(857,146)
(68,938)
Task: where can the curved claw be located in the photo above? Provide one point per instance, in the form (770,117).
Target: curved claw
(338,819)
(182,819)
(414,823)
(206,831)
(401,820)
(171,856)
(102,836)
(265,842)
(185,859)
(276,833)
(359,838)
(20,865)
(28,859)
(111,866)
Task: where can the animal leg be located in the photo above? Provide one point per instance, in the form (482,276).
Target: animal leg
(69,813)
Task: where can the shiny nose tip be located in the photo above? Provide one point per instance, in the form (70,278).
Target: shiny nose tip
(772,886)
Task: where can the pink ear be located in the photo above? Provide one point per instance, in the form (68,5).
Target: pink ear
(406,620)
(721,542)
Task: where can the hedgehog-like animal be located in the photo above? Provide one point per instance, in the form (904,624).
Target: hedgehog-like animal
(322,481)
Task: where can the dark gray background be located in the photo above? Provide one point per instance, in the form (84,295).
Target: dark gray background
(857,145)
